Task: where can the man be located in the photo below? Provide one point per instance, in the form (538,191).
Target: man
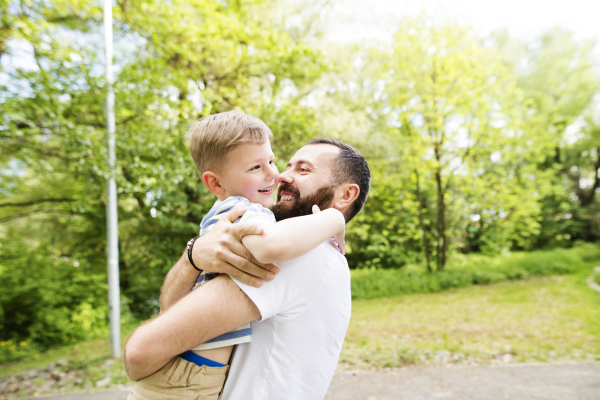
(299,320)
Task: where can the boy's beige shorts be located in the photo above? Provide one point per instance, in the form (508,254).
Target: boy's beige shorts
(181,379)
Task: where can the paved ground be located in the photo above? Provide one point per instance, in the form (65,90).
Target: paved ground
(564,381)
(577,381)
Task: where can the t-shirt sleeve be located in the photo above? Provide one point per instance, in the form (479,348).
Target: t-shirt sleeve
(258,213)
(266,298)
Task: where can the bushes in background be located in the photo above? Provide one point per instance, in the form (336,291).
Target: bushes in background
(47,299)
(469,270)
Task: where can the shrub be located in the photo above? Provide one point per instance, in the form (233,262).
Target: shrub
(47,300)
(15,350)
(588,252)
(463,271)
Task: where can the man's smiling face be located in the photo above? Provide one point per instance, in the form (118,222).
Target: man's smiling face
(306,181)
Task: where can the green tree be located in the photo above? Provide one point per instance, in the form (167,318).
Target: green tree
(560,78)
(454,109)
(175,63)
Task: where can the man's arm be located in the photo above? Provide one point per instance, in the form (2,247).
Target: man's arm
(220,251)
(220,307)
(178,283)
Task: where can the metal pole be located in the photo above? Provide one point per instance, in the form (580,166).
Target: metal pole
(111,209)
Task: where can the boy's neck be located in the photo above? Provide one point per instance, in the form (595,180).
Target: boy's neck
(222,197)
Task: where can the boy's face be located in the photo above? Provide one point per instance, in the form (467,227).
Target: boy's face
(249,171)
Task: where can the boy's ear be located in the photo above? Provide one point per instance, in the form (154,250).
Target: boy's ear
(211,181)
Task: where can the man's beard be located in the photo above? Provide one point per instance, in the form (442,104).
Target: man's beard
(302,205)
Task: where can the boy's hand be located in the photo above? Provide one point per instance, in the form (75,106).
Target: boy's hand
(222,251)
(339,237)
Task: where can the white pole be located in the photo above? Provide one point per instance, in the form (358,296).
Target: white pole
(111,209)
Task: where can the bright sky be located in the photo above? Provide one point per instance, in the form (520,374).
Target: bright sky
(356,19)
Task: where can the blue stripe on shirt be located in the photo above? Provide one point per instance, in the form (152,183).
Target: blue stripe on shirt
(208,222)
(225,206)
(231,335)
(207,276)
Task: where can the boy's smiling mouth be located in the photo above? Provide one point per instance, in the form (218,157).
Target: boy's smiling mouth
(267,190)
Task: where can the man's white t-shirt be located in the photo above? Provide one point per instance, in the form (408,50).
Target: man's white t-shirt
(296,346)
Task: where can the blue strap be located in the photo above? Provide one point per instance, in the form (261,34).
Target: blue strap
(194,358)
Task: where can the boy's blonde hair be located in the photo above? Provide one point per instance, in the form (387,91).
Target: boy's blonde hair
(212,137)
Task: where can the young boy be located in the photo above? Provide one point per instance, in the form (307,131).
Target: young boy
(232,153)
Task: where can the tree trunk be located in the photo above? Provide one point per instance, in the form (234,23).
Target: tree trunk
(589,199)
(585,196)
(437,134)
(442,242)
(422,221)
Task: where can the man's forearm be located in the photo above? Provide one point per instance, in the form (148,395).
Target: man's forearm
(219,307)
(178,283)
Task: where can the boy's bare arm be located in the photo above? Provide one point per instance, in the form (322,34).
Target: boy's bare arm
(219,307)
(293,237)
(221,251)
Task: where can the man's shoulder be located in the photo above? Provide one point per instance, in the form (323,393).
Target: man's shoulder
(321,260)
(300,281)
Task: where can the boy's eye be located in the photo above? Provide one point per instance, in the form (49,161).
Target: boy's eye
(255,167)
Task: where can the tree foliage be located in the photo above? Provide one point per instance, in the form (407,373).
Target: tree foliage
(475,144)
(176,62)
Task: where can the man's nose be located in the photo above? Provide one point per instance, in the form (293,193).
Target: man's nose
(285,177)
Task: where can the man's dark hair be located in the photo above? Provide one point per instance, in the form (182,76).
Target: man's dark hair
(349,167)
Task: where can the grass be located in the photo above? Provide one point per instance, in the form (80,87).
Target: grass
(88,355)
(531,319)
(539,319)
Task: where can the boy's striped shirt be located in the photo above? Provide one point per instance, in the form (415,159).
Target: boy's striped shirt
(254,211)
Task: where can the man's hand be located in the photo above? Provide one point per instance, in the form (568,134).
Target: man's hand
(339,238)
(222,251)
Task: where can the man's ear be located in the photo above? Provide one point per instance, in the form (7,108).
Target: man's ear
(211,181)
(349,193)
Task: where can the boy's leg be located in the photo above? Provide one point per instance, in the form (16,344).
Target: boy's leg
(181,379)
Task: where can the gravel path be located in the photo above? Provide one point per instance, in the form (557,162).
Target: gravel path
(590,280)
(564,381)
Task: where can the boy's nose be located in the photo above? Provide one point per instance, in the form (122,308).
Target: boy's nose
(274,175)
